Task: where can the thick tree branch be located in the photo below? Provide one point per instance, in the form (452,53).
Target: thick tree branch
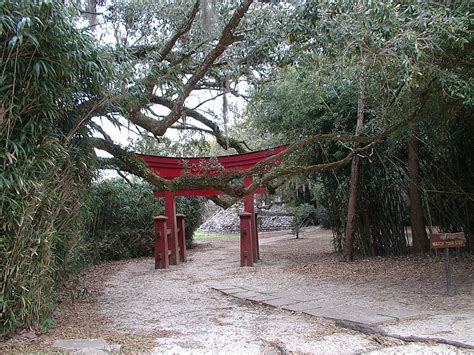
(281,171)
(128,162)
(222,140)
(265,172)
(225,204)
(168,46)
(226,39)
(152,125)
(189,127)
(231,182)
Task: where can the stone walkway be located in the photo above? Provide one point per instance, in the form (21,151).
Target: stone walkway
(401,323)
(323,307)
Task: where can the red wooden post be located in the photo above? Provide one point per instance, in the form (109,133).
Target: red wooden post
(256,236)
(161,243)
(170,212)
(246,253)
(249,207)
(181,236)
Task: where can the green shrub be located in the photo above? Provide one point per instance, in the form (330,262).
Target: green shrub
(123,219)
(193,208)
(301,216)
(43,176)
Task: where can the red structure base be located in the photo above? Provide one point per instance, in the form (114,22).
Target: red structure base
(246,244)
(161,243)
(164,237)
(181,237)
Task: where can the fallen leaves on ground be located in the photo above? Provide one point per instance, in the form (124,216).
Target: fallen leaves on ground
(77,318)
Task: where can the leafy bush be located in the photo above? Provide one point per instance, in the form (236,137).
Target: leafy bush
(322,217)
(301,216)
(123,221)
(193,208)
(44,171)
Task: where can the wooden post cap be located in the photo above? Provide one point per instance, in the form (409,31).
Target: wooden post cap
(160,218)
(180,215)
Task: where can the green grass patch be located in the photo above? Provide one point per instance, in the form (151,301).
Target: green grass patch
(202,236)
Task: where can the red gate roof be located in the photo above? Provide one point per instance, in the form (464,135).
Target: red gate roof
(171,167)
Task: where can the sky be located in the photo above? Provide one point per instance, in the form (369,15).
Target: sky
(123,135)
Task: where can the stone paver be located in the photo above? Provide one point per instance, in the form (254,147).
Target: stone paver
(356,314)
(261,297)
(278,302)
(246,294)
(224,288)
(399,321)
(298,296)
(303,306)
(235,291)
(324,307)
(402,313)
(86,346)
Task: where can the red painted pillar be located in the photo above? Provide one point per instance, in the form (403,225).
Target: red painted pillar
(256,236)
(161,243)
(181,237)
(249,207)
(170,212)
(246,253)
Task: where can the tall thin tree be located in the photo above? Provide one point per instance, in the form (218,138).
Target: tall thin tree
(418,228)
(351,224)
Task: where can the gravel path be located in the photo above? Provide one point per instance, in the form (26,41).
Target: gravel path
(197,319)
(177,311)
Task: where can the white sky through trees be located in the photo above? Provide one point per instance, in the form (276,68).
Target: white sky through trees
(213,108)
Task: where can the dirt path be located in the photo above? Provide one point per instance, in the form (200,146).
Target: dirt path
(177,310)
(199,319)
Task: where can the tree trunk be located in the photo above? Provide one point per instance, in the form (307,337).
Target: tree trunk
(418,229)
(348,246)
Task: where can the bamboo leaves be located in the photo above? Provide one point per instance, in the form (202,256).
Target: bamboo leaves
(44,66)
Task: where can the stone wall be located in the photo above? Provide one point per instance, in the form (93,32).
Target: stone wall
(273,219)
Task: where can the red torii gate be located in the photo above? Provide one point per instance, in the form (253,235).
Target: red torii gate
(170,244)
